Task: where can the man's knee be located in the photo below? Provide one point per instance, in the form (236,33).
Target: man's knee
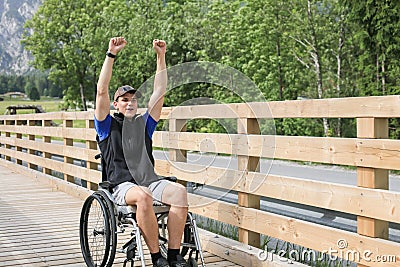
(140,196)
(181,191)
(176,195)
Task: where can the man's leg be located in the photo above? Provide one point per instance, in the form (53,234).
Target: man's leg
(175,195)
(147,221)
(145,217)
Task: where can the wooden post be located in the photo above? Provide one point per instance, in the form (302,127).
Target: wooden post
(8,134)
(1,123)
(89,163)
(18,148)
(246,164)
(46,139)
(176,125)
(372,178)
(31,137)
(68,142)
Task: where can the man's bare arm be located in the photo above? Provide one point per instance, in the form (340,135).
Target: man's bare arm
(160,81)
(102,97)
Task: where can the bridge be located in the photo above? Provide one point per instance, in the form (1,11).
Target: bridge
(47,171)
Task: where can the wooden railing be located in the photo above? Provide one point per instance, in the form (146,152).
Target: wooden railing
(372,153)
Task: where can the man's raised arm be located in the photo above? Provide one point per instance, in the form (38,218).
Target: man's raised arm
(102,97)
(160,81)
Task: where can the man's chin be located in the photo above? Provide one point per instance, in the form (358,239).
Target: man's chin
(129,114)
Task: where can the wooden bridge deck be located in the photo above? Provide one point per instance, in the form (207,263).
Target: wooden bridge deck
(39,225)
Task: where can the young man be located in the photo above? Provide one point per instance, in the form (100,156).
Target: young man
(125,143)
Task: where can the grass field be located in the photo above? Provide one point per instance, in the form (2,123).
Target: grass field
(48,104)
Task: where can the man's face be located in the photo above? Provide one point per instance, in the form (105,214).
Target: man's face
(127,105)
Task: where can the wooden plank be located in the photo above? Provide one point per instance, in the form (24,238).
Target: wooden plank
(61,132)
(372,153)
(75,152)
(81,115)
(372,106)
(352,107)
(68,169)
(293,230)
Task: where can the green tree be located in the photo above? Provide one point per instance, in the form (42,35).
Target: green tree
(61,38)
(34,94)
(377,39)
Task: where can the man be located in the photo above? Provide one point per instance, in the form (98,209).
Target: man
(125,143)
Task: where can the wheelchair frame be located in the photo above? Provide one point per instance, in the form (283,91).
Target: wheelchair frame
(104,233)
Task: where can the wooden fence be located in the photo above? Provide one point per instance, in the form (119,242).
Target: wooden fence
(372,153)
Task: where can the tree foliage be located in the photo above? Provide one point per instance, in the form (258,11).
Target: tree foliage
(291,49)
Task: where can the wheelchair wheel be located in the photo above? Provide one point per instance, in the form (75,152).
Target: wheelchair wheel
(113,226)
(97,231)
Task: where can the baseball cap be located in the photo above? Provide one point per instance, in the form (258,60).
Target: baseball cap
(126,89)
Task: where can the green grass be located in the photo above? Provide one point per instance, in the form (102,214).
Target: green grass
(48,104)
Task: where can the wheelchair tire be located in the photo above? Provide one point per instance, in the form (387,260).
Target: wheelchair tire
(113,227)
(95,232)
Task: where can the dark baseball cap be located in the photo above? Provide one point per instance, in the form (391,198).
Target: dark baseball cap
(126,89)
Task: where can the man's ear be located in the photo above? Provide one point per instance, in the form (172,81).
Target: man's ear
(115,103)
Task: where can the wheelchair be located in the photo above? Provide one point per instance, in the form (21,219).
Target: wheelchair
(102,220)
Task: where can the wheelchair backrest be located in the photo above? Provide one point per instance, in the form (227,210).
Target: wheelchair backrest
(103,167)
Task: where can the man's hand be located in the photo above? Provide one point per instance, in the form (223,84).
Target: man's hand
(160,46)
(116,44)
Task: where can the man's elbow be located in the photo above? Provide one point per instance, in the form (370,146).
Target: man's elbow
(101,90)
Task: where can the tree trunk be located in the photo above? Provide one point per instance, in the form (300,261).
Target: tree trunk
(317,62)
(95,87)
(278,51)
(82,97)
(339,73)
(383,77)
(377,72)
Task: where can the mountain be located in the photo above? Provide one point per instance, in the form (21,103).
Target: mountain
(13,14)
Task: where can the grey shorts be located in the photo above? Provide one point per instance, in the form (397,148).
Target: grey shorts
(157,189)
